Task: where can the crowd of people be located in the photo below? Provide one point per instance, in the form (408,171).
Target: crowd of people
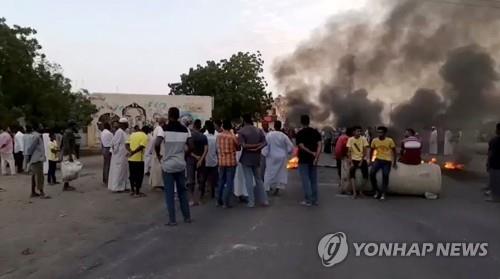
(36,150)
(218,160)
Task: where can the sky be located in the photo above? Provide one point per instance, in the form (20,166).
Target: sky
(132,46)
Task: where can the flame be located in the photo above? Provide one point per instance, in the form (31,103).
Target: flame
(374,156)
(293,163)
(433,161)
(453,166)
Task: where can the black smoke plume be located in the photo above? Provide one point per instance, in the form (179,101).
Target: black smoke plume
(447,48)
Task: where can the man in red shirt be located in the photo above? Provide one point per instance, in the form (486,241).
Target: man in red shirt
(411,149)
(227,145)
(341,157)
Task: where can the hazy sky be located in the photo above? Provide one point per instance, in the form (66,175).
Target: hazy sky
(140,46)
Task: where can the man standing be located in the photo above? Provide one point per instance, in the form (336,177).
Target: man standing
(433,142)
(68,150)
(174,139)
(211,174)
(341,158)
(448,143)
(385,154)
(6,152)
(227,145)
(155,174)
(28,139)
(195,160)
(252,141)
(309,141)
(106,140)
(36,154)
(18,149)
(53,158)
(119,172)
(493,166)
(279,147)
(411,149)
(136,146)
(357,153)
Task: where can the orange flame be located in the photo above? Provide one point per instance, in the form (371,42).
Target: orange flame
(433,161)
(293,163)
(453,166)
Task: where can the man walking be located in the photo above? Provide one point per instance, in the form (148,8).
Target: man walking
(211,174)
(252,141)
(119,171)
(174,139)
(227,145)
(53,158)
(493,166)
(18,149)
(136,146)
(195,160)
(279,147)
(36,155)
(385,154)
(309,141)
(357,153)
(106,140)
(7,152)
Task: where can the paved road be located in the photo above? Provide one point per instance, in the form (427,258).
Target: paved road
(281,241)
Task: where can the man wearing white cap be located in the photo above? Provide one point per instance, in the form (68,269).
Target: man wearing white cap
(118,172)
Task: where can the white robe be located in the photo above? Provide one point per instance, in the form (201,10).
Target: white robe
(46,140)
(239,179)
(448,144)
(278,149)
(433,143)
(118,171)
(155,173)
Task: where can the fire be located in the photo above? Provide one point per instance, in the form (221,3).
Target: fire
(453,166)
(293,163)
(374,156)
(433,161)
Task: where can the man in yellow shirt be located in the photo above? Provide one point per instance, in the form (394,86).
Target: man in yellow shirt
(357,153)
(385,154)
(136,146)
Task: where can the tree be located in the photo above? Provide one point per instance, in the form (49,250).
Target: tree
(237,85)
(33,88)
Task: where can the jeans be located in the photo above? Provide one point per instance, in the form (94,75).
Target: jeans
(252,173)
(385,166)
(309,175)
(51,174)
(195,176)
(171,180)
(136,175)
(210,177)
(226,185)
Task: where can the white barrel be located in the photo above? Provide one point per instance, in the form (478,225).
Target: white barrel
(410,179)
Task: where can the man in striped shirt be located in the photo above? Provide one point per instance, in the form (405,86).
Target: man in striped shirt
(227,145)
(174,139)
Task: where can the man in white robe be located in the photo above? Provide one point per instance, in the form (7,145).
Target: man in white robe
(448,143)
(118,172)
(433,142)
(155,172)
(148,155)
(278,149)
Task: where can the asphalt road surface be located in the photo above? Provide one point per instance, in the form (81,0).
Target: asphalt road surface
(281,241)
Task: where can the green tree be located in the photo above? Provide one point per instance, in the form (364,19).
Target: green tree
(33,88)
(237,85)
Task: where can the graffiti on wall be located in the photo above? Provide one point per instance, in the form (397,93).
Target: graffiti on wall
(146,113)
